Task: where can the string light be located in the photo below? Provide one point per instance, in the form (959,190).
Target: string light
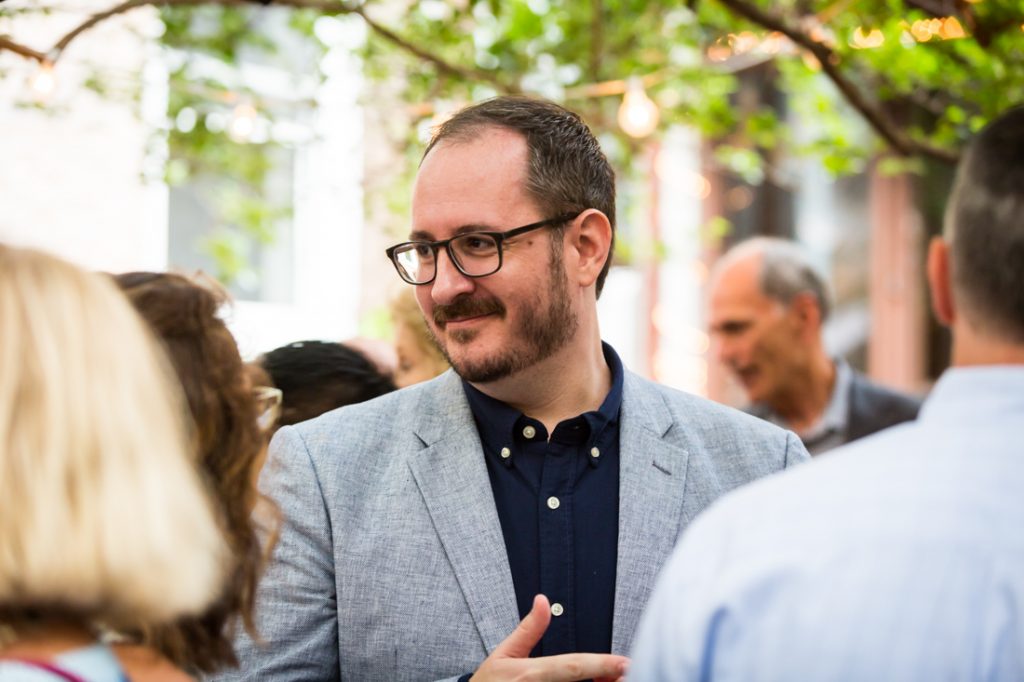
(744,42)
(870,39)
(242,123)
(719,51)
(43,82)
(638,114)
(951,29)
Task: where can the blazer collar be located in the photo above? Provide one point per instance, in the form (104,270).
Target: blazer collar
(452,478)
(652,479)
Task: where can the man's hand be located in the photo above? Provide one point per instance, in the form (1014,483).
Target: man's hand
(510,660)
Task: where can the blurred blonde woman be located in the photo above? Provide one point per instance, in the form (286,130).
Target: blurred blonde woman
(419,358)
(104,522)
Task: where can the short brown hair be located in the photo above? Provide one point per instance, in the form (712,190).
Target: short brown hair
(567,173)
(985,224)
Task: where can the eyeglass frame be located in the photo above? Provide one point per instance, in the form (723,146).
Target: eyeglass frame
(498,237)
(267,415)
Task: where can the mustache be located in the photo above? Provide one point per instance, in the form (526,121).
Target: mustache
(467,307)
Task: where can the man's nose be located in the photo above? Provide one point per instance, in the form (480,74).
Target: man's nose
(449,283)
(721,348)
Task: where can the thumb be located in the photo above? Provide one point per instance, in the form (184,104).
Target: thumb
(529,631)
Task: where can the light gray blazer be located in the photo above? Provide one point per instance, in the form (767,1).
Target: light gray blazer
(391,563)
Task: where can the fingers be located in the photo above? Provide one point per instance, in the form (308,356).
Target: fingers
(575,667)
(520,643)
(510,659)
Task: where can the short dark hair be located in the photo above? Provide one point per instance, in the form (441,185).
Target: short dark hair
(567,173)
(319,376)
(985,225)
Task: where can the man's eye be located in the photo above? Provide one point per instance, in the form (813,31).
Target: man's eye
(423,251)
(477,244)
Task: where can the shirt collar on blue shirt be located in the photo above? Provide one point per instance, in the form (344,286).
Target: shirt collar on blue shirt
(497,423)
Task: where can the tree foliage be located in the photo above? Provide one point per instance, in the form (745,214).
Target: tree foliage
(920,75)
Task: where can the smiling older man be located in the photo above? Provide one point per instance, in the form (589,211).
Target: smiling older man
(422,526)
(768,305)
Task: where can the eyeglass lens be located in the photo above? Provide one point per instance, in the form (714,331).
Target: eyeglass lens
(474,254)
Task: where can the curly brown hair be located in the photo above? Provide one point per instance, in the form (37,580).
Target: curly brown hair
(229,444)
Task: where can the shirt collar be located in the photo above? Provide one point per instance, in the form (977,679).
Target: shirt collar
(835,418)
(993,391)
(496,422)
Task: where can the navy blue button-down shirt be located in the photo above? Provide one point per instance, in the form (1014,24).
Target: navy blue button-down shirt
(557,497)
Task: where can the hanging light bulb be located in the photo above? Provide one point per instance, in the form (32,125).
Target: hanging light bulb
(43,82)
(638,114)
(242,123)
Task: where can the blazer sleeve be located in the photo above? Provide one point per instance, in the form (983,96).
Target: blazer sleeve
(296,611)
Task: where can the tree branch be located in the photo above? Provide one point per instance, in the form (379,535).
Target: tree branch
(100,17)
(333,7)
(875,115)
(443,65)
(935,8)
(18,48)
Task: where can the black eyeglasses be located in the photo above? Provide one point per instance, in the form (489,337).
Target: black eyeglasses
(475,254)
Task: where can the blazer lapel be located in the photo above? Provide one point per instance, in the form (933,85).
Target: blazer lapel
(452,478)
(652,478)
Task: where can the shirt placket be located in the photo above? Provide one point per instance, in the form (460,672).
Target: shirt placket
(556,547)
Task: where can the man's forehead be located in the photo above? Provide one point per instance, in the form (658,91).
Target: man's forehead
(738,281)
(479,182)
(496,140)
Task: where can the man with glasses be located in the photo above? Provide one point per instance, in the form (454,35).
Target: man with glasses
(539,480)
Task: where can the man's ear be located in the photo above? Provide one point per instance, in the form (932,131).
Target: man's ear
(807,312)
(591,239)
(940,284)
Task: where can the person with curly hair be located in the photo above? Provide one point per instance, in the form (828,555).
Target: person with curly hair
(229,448)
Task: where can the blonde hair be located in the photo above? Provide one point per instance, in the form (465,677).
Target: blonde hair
(103,518)
(405,311)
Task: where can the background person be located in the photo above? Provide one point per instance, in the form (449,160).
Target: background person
(897,557)
(419,358)
(229,449)
(423,525)
(318,376)
(104,521)
(768,305)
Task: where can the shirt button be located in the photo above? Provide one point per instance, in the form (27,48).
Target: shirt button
(595,453)
(505,453)
(529,432)
(556,609)
(553,503)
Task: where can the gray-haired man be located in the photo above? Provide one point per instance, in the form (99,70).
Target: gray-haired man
(767,308)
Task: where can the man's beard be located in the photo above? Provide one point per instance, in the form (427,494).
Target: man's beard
(541,333)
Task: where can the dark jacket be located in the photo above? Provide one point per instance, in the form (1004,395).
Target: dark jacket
(871,407)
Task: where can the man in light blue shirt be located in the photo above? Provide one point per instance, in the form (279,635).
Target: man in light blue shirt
(901,556)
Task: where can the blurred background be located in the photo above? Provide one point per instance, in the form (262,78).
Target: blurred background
(272,143)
